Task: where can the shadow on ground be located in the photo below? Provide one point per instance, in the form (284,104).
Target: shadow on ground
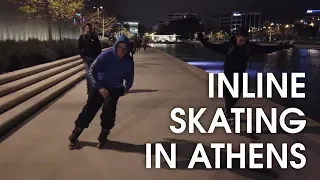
(141,90)
(146,65)
(184,153)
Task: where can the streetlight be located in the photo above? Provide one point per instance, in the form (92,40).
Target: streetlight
(287,26)
(98,11)
(270,34)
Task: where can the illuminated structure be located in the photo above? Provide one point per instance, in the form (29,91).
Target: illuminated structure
(164,38)
(311,18)
(235,20)
(177,16)
(133,26)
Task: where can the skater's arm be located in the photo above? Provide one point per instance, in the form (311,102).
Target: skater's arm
(98,45)
(129,76)
(95,68)
(220,48)
(258,49)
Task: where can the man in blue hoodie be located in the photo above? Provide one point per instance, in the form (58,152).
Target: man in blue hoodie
(107,74)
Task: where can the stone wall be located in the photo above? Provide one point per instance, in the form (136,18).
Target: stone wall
(15,25)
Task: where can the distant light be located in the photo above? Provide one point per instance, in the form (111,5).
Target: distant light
(206,63)
(301,20)
(131,23)
(101,7)
(236,14)
(312,24)
(312,11)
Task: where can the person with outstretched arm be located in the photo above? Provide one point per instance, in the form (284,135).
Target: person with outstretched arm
(107,75)
(238,50)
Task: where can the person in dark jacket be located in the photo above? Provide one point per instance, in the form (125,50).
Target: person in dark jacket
(89,47)
(132,47)
(107,75)
(238,50)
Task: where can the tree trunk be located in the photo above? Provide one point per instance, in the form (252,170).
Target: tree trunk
(60,36)
(49,29)
(49,20)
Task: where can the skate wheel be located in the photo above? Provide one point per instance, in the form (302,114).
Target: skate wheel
(72,146)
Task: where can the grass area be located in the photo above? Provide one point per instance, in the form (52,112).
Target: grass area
(15,55)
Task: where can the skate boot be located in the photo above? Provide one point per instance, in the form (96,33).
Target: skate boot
(73,138)
(103,138)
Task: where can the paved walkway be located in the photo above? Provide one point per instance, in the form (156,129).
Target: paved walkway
(39,149)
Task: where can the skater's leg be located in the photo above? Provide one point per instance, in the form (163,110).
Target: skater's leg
(87,67)
(231,101)
(73,138)
(87,114)
(94,103)
(108,114)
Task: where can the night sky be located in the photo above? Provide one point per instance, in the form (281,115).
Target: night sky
(150,12)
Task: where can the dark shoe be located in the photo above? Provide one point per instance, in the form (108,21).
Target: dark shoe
(73,138)
(103,138)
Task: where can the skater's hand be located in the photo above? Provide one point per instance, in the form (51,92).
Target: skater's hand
(104,93)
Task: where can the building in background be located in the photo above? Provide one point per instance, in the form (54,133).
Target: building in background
(308,27)
(213,23)
(311,18)
(133,26)
(177,16)
(233,21)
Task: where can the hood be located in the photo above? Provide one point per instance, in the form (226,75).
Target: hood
(124,39)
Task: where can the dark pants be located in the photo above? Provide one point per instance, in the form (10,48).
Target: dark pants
(230,101)
(94,103)
(87,65)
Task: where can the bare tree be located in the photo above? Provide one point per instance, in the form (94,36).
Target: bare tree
(102,23)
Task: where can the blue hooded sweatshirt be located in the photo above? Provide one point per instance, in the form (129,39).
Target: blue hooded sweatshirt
(109,71)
